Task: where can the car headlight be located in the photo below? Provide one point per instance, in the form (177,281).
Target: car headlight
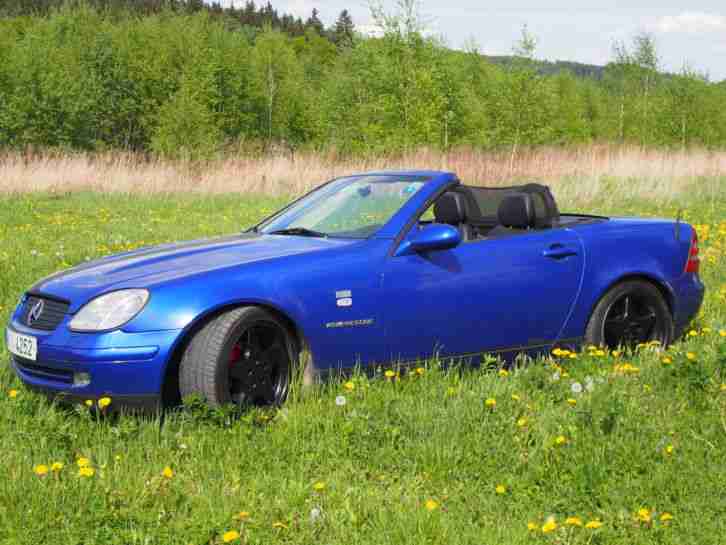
(110,311)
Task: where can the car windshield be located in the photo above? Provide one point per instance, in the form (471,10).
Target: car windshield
(353,207)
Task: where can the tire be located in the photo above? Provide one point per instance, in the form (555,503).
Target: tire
(244,356)
(630,313)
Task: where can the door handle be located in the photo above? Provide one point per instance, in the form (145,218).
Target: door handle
(559,251)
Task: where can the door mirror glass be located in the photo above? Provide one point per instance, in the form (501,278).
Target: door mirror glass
(432,237)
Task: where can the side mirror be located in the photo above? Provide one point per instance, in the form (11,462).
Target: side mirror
(432,237)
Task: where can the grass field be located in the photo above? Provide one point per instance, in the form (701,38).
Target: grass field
(437,456)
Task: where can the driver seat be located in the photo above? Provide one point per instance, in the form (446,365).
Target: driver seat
(450,209)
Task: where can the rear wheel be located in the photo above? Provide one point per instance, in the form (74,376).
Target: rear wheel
(631,313)
(244,356)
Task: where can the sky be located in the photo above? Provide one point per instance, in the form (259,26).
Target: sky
(691,33)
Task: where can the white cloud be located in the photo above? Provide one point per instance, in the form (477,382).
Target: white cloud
(691,22)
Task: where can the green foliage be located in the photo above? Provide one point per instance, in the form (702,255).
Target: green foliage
(184,80)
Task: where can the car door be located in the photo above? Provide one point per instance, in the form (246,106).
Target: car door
(503,294)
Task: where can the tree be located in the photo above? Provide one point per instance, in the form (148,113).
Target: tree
(315,23)
(344,30)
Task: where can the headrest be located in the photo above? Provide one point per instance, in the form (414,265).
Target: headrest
(450,208)
(517,211)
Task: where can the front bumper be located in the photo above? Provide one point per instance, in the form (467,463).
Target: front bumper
(127,367)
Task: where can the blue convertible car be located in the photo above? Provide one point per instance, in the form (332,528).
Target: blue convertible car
(385,268)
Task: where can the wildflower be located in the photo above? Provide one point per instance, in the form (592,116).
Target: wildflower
(693,333)
(572,402)
(600,353)
(349,386)
(12,394)
(616,353)
(242,515)
(83,462)
(722,332)
(389,374)
(550,525)
(557,352)
(86,472)
(573,521)
(89,403)
(420,371)
(340,401)
(503,373)
(626,369)
(576,388)
(665,518)
(532,526)
(593,525)
(279,525)
(319,486)
(515,397)
(500,489)
(41,470)
(555,376)
(691,356)
(431,505)
(315,513)
(561,440)
(167,472)
(669,450)
(572,356)
(104,402)
(229,537)
(490,403)
(666,360)
(643,515)
(522,422)
(55,467)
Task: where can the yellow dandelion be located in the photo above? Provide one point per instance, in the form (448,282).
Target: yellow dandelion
(83,462)
(349,386)
(667,360)
(491,403)
(550,525)
(515,397)
(500,489)
(12,394)
(593,525)
(420,371)
(55,467)
(86,472)
(229,537)
(40,470)
(572,356)
(691,356)
(522,422)
(573,521)
(104,402)
(669,449)
(666,518)
(167,472)
(557,352)
(600,353)
(89,403)
(722,332)
(693,333)
(643,515)
(560,440)
(532,526)
(572,402)
(242,515)
(503,373)
(616,353)
(431,505)
(319,486)
(389,374)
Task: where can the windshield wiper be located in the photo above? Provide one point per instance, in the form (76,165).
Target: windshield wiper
(299,231)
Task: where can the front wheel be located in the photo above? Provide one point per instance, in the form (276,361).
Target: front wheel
(244,356)
(631,313)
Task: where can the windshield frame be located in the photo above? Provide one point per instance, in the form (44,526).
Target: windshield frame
(422,179)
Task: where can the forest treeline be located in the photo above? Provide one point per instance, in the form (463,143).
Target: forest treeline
(184,79)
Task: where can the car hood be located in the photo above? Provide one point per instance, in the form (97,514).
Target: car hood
(148,267)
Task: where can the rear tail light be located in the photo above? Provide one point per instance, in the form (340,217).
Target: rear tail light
(693,263)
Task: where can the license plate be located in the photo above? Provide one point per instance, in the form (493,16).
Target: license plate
(23,346)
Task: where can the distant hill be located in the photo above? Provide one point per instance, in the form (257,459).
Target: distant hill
(547,68)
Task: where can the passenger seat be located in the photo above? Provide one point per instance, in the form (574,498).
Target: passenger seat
(515,215)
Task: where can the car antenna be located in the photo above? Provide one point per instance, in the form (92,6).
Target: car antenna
(678,225)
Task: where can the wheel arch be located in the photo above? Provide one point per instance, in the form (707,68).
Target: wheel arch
(663,287)
(170,383)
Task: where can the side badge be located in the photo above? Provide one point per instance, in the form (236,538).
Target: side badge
(344,298)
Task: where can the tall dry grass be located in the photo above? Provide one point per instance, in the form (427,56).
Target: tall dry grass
(575,174)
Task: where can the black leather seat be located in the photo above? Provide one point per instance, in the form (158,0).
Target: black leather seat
(516,215)
(450,209)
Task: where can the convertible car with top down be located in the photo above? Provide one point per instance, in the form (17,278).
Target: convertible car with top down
(375,269)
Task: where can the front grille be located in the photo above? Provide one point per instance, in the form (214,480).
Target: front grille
(43,313)
(46,373)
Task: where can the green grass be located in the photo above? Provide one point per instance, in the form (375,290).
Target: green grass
(394,446)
